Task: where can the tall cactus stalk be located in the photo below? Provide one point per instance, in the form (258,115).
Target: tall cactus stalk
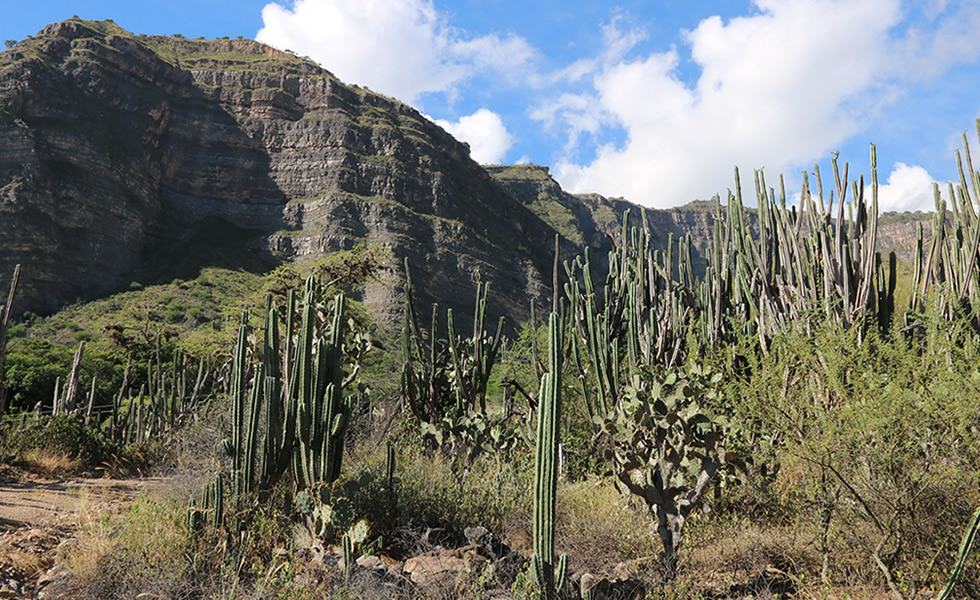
(550,577)
(239,393)
(71,391)
(8,310)
(969,537)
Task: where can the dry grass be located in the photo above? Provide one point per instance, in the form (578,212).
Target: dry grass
(94,521)
(600,531)
(49,464)
(122,550)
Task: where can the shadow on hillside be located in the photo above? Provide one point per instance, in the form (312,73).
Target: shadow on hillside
(211,242)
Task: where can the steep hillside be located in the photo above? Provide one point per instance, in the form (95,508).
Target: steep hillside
(119,152)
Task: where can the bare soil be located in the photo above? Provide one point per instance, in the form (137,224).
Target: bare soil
(38,516)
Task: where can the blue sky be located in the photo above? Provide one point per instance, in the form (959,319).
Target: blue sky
(651,100)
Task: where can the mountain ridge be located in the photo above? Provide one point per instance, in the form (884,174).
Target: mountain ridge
(120,151)
(139,151)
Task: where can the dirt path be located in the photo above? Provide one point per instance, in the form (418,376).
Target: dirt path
(39,502)
(38,516)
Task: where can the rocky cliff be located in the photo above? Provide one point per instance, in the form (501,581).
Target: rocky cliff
(132,158)
(115,149)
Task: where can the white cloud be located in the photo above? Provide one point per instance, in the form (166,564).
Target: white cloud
(775,89)
(509,56)
(403,48)
(909,188)
(486,134)
(786,84)
(951,39)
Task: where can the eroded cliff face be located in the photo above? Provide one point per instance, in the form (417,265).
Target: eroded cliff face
(115,149)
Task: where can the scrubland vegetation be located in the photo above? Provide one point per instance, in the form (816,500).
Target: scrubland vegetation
(801,421)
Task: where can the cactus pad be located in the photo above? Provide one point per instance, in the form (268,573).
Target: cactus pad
(304,503)
(359,532)
(341,513)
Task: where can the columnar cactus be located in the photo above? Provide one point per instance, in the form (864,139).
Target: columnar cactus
(550,579)
(306,399)
(324,410)
(445,382)
(969,537)
(239,392)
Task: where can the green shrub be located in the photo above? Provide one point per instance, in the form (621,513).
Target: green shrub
(84,336)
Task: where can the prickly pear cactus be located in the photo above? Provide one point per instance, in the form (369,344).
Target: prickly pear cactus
(669,445)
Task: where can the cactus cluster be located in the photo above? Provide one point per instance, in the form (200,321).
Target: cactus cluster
(791,267)
(211,509)
(445,381)
(161,405)
(291,406)
(947,266)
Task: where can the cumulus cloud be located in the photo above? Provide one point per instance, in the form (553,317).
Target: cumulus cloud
(778,89)
(775,88)
(486,134)
(909,188)
(403,48)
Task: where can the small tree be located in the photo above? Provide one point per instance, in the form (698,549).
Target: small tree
(10,43)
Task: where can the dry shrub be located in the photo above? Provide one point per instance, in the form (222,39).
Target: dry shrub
(122,556)
(598,528)
(730,557)
(50,464)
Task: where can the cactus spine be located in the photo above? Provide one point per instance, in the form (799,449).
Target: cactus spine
(549,579)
